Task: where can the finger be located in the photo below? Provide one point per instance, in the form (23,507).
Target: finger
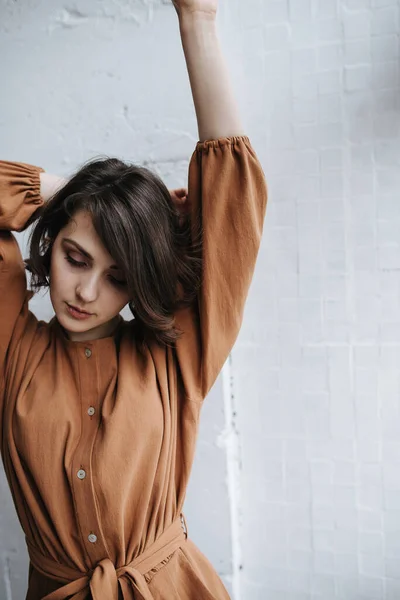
(181,192)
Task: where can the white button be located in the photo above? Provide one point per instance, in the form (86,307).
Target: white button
(92,538)
(81,474)
(88,352)
(91,410)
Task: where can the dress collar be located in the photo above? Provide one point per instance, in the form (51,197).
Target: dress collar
(104,341)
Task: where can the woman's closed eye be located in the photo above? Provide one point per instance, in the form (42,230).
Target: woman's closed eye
(74,262)
(79,265)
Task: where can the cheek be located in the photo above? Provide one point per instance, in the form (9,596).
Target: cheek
(115,300)
(60,276)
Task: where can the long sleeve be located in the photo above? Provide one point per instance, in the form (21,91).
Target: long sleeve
(19,198)
(227,188)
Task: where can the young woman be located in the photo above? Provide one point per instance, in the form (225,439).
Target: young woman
(99,416)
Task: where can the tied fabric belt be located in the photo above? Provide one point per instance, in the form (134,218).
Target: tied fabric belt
(104,578)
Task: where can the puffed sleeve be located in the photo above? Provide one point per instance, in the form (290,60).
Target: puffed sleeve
(227,188)
(19,198)
(19,194)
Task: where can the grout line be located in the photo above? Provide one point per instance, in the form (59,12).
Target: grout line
(6,577)
(233,460)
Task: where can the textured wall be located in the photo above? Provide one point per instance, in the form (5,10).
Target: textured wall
(316,369)
(295,493)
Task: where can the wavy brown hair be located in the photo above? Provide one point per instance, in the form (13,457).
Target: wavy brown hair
(157,248)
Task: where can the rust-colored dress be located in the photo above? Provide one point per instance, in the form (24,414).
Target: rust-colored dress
(97,439)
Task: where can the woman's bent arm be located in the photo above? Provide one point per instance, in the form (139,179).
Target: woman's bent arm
(49,184)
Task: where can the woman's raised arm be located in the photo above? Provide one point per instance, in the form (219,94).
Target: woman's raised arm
(227,190)
(216,109)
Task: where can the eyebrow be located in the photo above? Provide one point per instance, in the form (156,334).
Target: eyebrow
(83,251)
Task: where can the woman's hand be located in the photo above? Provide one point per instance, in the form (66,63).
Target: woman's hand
(179,198)
(207,8)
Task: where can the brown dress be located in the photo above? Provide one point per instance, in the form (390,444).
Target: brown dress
(97,439)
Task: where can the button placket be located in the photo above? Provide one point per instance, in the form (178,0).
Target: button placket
(86,509)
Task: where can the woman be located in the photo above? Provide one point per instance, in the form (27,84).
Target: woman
(99,416)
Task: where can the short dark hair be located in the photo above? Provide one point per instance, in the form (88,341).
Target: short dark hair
(157,249)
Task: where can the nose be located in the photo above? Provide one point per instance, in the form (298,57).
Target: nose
(87,289)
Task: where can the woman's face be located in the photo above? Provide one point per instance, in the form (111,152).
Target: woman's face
(83,275)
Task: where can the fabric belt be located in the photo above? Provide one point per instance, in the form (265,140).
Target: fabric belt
(103,580)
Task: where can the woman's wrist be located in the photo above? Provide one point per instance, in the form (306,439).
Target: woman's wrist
(189,20)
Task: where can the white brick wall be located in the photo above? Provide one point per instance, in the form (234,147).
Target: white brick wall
(316,367)
(301,466)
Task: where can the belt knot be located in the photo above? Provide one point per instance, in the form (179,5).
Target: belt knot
(103,580)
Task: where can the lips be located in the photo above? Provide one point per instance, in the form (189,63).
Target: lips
(83,312)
